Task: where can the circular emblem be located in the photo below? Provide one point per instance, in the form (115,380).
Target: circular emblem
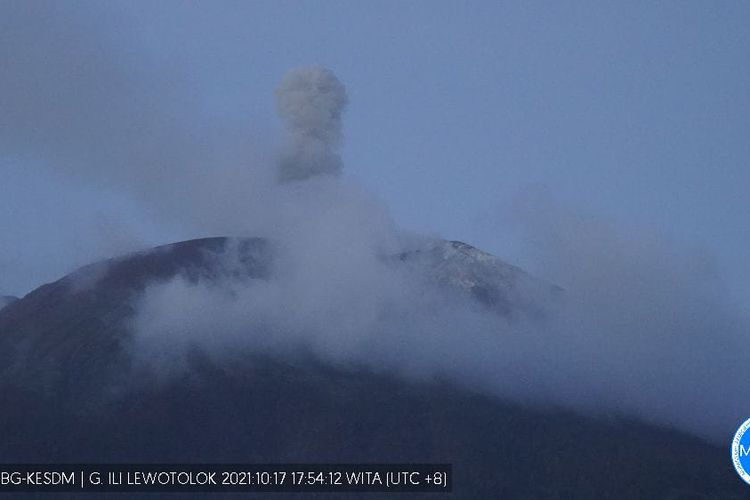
(741,451)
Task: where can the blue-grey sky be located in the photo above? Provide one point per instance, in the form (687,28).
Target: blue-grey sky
(638,112)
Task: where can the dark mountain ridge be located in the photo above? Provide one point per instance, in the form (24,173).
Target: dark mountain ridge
(71,393)
(7,300)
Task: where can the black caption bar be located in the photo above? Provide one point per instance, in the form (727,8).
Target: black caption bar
(226,478)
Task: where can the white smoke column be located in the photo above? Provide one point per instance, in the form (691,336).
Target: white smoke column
(310,101)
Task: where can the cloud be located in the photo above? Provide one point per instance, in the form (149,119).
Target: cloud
(647,327)
(310,101)
(642,329)
(78,102)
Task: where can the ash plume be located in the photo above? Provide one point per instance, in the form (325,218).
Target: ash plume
(645,329)
(310,101)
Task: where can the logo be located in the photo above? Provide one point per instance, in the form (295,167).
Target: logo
(741,451)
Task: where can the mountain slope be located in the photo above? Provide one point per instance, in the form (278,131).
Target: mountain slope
(71,392)
(6,300)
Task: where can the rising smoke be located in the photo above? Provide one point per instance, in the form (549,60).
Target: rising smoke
(643,329)
(639,331)
(310,101)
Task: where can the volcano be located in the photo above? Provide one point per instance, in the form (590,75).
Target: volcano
(71,391)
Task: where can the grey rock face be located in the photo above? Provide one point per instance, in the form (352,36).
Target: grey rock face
(501,286)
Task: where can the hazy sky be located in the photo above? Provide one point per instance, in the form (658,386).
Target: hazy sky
(635,111)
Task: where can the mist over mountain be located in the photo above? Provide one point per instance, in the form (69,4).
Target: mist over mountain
(306,324)
(629,323)
(84,379)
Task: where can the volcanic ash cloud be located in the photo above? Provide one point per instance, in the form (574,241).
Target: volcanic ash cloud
(310,102)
